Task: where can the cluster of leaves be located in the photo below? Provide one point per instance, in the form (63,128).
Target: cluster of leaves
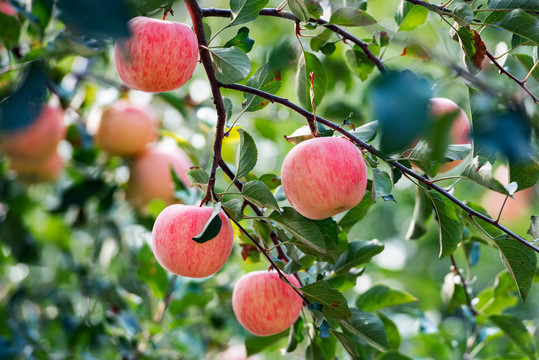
(81,267)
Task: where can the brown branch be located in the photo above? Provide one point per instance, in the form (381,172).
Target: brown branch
(196,16)
(456,269)
(521,83)
(286,15)
(378,153)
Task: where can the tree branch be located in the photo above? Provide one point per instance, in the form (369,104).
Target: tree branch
(286,15)
(378,153)
(196,16)
(456,270)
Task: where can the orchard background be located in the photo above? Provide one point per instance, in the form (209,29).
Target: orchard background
(415,271)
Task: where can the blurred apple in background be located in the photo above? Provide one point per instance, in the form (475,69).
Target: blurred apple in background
(47,170)
(150,176)
(124,128)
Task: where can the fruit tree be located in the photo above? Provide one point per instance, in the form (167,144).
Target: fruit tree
(263,179)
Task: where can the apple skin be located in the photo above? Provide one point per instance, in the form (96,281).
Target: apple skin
(7,8)
(264,304)
(460,129)
(178,253)
(38,141)
(150,174)
(124,129)
(30,172)
(159,56)
(324,176)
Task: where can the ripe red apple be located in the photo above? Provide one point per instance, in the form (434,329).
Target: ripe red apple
(159,56)
(38,141)
(7,8)
(324,176)
(460,129)
(150,174)
(264,304)
(47,170)
(124,128)
(175,249)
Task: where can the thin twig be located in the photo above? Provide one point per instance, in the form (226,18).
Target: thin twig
(287,15)
(403,169)
(464,285)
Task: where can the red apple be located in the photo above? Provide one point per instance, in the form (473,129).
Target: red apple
(38,141)
(175,249)
(7,8)
(460,128)
(264,304)
(124,128)
(159,56)
(47,170)
(150,174)
(324,176)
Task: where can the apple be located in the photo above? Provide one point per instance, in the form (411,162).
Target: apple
(460,128)
(124,128)
(7,8)
(47,170)
(38,141)
(175,249)
(264,304)
(150,176)
(159,56)
(324,176)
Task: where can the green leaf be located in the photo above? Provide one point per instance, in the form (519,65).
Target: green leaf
(533,230)
(333,302)
(242,40)
(463,14)
(515,330)
(406,118)
(231,64)
(449,223)
(212,227)
(330,231)
(314,8)
(228,107)
(358,212)
(266,80)
(409,16)
(369,327)
(382,296)
(366,132)
(508,5)
(358,63)
(392,331)
(416,51)
(309,63)
(422,212)
(24,105)
(248,154)
(382,184)
(347,343)
(9,31)
(474,48)
(258,193)
(349,16)
(81,16)
(527,62)
(198,176)
(272,181)
(523,24)
(321,39)
(245,10)
(393,355)
(299,9)
(305,230)
(313,352)
(480,171)
(524,172)
(520,261)
(234,206)
(358,252)
(255,344)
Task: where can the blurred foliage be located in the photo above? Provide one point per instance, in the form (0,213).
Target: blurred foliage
(78,279)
